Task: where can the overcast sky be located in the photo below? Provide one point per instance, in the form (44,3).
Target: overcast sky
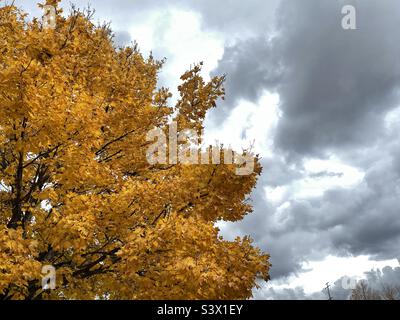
(321,105)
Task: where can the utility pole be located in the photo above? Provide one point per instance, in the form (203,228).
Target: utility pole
(327,289)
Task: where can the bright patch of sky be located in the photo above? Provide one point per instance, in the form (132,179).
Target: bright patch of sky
(330,269)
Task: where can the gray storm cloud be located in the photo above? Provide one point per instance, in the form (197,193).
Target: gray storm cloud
(334,84)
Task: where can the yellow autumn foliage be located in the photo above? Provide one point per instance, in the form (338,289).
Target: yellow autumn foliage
(76,190)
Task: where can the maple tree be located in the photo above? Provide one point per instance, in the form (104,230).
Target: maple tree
(76,190)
